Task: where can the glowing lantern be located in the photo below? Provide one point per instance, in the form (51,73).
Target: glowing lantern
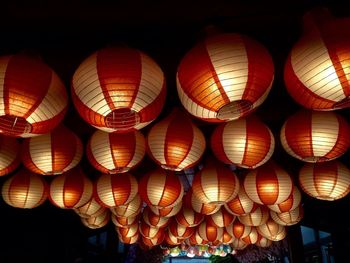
(221,78)
(292,202)
(215,183)
(24,190)
(114,190)
(122,221)
(180,231)
(221,218)
(256,218)
(252,238)
(173,148)
(97,221)
(238,244)
(151,242)
(238,230)
(118,89)
(90,209)
(196,239)
(226,238)
(210,232)
(171,240)
(161,188)
(280,236)
(9,155)
(33,98)
(270,229)
(71,189)
(149,231)
(241,204)
(268,184)
(315,136)
(187,217)
(52,153)
(288,218)
(247,143)
(193,202)
(326,181)
(166,212)
(115,152)
(128,231)
(152,219)
(263,242)
(129,240)
(131,209)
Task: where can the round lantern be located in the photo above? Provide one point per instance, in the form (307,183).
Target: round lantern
(326,181)
(161,188)
(193,202)
(97,221)
(171,240)
(316,72)
(114,190)
(118,89)
(128,231)
(241,204)
(115,152)
(222,79)
(196,239)
(122,221)
(131,209)
(226,238)
(221,218)
(33,98)
(280,236)
(152,219)
(247,143)
(238,244)
(150,231)
(288,218)
(180,231)
(252,237)
(315,136)
(263,242)
(166,212)
(52,153)
(210,232)
(24,190)
(215,183)
(9,155)
(187,217)
(268,184)
(270,229)
(129,240)
(292,202)
(238,230)
(90,209)
(71,189)
(256,218)
(173,148)
(151,242)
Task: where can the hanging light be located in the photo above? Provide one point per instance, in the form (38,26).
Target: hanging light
(263,242)
(238,244)
(180,231)
(90,209)
(292,202)
(210,232)
(252,237)
(171,240)
(270,230)
(187,217)
(122,221)
(238,230)
(241,204)
(166,212)
(196,239)
(222,79)
(226,238)
(118,89)
(129,240)
(33,99)
(289,218)
(9,155)
(152,219)
(96,222)
(256,218)
(131,209)
(128,231)
(193,202)
(149,231)
(221,218)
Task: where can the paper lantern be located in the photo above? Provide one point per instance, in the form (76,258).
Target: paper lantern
(115,152)
(316,73)
(215,183)
(161,188)
(180,231)
(52,153)
(9,155)
(166,212)
(241,204)
(118,89)
(252,237)
(210,232)
(193,202)
(173,148)
(238,230)
(33,98)
(171,240)
(152,219)
(131,209)
(238,244)
(247,143)
(90,209)
(256,218)
(149,231)
(187,217)
(196,239)
(128,231)
(226,238)
(315,136)
(263,242)
(96,222)
(71,189)
(270,229)
(114,190)
(129,240)
(122,221)
(292,202)
(222,79)
(268,184)
(221,218)
(325,181)
(288,218)
(24,190)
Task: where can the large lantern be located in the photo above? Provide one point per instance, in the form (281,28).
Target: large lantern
(115,152)
(90,209)
(180,231)
(167,212)
(24,190)
(247,143)
(173,148)
(256,218)
(215,183)
(289,218)
(52,153)
(118,89)
(114,190)
(193,202)
(238,230)
(33,98)
(189,218)
(326,181)
(292,202)
(210,232)
(315,136)
(131,209)
(9,155)
(95,222)
(268,184)
(152,219)
(161,188)
(241,204)
(222,79)
(221,218)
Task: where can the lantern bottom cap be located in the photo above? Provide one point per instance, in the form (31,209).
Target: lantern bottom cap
(234,110)
(122,119)
(14,126)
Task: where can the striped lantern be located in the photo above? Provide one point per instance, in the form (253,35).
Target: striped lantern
(96,222)
(71,189)
(122,221)
(292,202)
(256,218)
(150,231)
(9,155)
(90,209)
(252,238)
(179,230)
(173,148)
(151,242)
(128,231)
(189,218)
(226,238)
(263,242)
(33,98)
(118,89)
(166,212)
(171,240)
(315,136)
(247,143)
(24,190)
(115,190)
(152,219)
(161,188)
(280,236)
(268,184)
(193,202)
(270,229)
(115,152)
(221,218)
(238,244)
(195,239)
(241,204)
(317,70)
(131,209)
(52,153)
(221,78)
(325,181)
(210,232)
(238,230)
(288,218)
(129,240)
(215,183)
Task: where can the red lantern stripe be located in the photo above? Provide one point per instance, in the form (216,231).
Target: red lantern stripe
(9,154)
(241,204)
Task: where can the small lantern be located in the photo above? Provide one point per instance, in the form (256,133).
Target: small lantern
(238,230)
(9,155)
(187,217)
(96,222)
(256,218)
(129,240)
(263,242)
(241,204)
(180,231)
(210,232)
(270,229)
(252,237)
(122,221)
(128,231)
(196,239)
(131,209)
(193,202)
(166,212)
(90,209)
(149,231)
(292,202)
(152,219)
(289,218)
(221,218)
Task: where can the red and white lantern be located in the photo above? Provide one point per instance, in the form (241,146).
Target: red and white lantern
(292,202)
(180,231)
(238,244)
(193,202)
(221,78)
(166,212)
(256,218)
(238,230)
(152,219)
(118,89)
(115,152)
(171,240)
(289,218)
(151,242)
(210,232)
(263,242)
(96,222)
(128,231)
(221,218)
(9,155)
(196,239)
(252,237)
(226,238)
(131,209)
(122,221)
(149,231)
(270,229)
(129,240)
(189,218)
(90,209)
(241,204)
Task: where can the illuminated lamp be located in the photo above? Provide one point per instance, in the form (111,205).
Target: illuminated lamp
(252,238)
(97,221)
(24,190)
(9,155)
(263,242)
(226,238)
(118,89)
(238,244)
(313,136)
(122,221)
(71,189)
(325,181)
(128,231)
(173,148)
(52,153)
(166,212)
(131,209)
(180,231)
(152,219)
(151,242)
(129,240)
(256,218)
(221,218)
(221,78)
(292,202)
(115,190)
(241,204)
(189,218)
(115,152)
(247,143)
(90,209)
(270,230)
(150,231)
(171,240)
(33,98)
(193,202)
(238,230)
(289,218)
(196,239)
(210,232)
